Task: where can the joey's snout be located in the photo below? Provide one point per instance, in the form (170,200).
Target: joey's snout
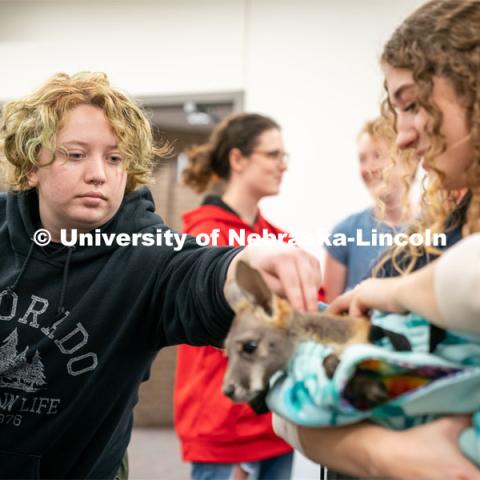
(242,383)
(240,394)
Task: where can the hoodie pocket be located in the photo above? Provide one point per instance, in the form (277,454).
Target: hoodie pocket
(19,465)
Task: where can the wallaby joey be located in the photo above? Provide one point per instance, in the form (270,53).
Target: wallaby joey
(266,331)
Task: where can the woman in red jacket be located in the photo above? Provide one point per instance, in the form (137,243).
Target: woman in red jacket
(221,439)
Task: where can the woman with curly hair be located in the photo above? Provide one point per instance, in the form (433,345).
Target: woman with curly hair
(431,65)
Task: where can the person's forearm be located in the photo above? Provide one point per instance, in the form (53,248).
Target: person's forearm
(446,291)
(416,293)
(457,284)
(425,452)
(351,449)
(361,450)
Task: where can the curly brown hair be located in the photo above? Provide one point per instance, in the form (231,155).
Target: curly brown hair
(441,39)
(32,122)
(211,160)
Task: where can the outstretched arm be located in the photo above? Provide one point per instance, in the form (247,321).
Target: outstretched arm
(414,292)
(188,302)
(444,292)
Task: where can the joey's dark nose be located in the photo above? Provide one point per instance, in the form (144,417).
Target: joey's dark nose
(229,390)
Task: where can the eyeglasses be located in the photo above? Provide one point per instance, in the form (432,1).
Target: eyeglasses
(278,156)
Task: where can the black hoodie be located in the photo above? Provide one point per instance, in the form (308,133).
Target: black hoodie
(79,328)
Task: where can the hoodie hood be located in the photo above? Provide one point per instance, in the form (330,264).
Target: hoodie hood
(136,213)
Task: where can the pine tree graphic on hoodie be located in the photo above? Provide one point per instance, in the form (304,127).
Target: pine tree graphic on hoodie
(15,371)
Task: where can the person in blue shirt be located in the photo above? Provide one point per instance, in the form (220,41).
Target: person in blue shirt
(387,174)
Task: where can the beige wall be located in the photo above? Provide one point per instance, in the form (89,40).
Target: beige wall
(312,64)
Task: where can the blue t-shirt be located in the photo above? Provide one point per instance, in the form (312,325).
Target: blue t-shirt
(360,228)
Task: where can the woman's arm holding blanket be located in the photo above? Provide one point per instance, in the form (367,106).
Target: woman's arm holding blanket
(444,292)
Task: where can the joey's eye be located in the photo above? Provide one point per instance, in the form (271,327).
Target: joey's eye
(249,347)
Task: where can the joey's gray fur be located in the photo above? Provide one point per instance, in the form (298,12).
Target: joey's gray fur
(266,331)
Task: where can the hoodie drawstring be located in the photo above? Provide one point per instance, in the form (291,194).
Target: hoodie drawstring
(11,288)
(61,308)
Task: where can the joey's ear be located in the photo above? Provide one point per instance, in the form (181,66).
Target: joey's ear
(253,286)
(234,295)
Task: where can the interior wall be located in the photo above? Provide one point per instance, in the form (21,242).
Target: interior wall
(314,65)
(311,64)
(147,47)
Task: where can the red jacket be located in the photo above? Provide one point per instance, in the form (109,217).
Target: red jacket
(210,426)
